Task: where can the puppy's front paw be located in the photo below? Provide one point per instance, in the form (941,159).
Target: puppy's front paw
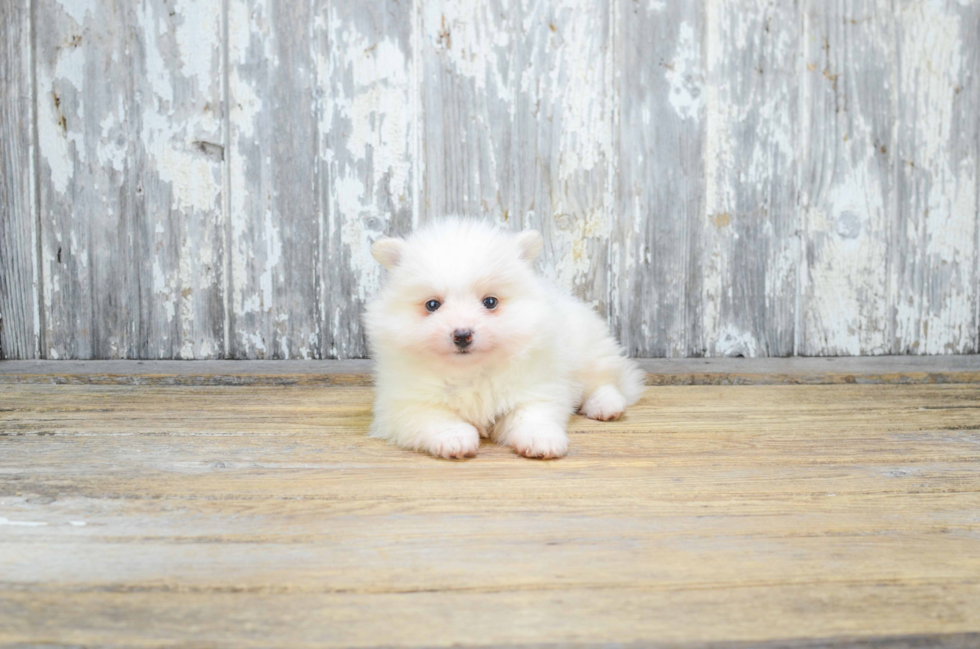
(605,404)
(457,441)
(542,442)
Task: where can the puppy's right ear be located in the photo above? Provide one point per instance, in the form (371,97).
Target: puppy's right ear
(530,242)
(388,251)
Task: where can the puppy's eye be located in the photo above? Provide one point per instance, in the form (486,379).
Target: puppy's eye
(432,305)
(490,302)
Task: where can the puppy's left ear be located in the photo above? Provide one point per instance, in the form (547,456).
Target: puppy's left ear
(530,242)
(388,251)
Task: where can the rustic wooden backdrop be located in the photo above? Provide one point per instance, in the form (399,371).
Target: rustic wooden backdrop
(202,178)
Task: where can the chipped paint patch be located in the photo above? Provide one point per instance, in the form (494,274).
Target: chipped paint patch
(273,256)
(684,74)
(61,115)
(937,290)
(733,342)
(845,294)
(369,116)
(367,128)
(575,237)
(79,10)
(905,78)
(247,26)
(195,48)
(460,30)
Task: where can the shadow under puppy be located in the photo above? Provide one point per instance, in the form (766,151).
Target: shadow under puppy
(469,341)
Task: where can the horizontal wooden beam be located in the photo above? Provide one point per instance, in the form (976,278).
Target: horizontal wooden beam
(693,371)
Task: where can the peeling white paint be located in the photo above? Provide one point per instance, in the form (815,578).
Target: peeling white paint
(370,116)
(578,77)
(79,10)
(112,147)
(194,178)
(461,30)
(273,255)
(200,20)
(566,97)
(685,76)
(733,342)
(59,131)
(575,236)
(253,340)
(844,285)
(163,290)
(934,316)
(557,63)
(718,157)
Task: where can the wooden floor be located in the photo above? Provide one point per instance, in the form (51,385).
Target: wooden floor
(154,514)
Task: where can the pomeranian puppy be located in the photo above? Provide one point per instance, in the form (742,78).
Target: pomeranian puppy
(470,342)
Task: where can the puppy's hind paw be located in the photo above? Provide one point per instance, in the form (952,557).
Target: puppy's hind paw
(605,404)
(458,441)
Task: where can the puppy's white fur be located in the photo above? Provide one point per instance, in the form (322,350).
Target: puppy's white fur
(534,358)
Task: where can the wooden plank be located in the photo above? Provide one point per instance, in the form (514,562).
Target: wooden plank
(467,108)
(89,217)
(355,620)
(655,295)
(768,516)
(847,180)
(275,208)
(19,315)
(281,620)
(129,128)
(517,122)
(564,158)
(708,371)
(367,102)
(179,260)
(935,287)
(749,231)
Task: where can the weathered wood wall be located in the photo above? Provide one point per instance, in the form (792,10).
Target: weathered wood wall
(202,178)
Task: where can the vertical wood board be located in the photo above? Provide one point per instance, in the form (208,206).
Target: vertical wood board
(19,312)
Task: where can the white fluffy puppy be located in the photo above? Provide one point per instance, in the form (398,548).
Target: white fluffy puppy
(470,342)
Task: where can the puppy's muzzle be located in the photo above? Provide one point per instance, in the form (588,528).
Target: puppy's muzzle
(463,338)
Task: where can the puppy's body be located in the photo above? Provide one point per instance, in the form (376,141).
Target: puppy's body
(527,363)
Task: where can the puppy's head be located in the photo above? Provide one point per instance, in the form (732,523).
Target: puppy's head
(460,291)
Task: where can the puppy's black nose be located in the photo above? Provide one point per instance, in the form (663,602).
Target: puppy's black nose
(462,338)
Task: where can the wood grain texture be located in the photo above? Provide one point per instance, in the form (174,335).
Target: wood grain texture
(275,210)
(702,371)
(19,312)
(129,127)
(143,516)
(847,182)
(655,247)
(517,109)
(89,212)
(934,286)
(565,155)
(749,238)
(466,110)
(717,178)
(367,102)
